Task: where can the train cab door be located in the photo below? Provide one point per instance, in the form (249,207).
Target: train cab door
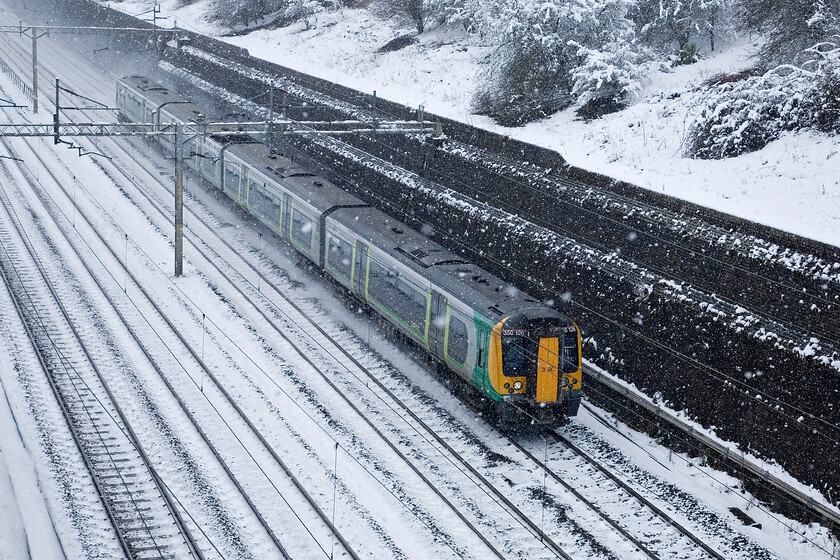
(437,323)
(548,373)
(360,270)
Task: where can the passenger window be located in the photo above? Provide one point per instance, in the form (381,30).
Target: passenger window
(232,179)
(398,295)
(458,341)
(263,205)
(302,229)
(340,257)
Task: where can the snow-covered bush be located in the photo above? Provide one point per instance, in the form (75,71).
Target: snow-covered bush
(607,78)
(741,117)
(463,12)
(245,13)
(827,60)
(539,45)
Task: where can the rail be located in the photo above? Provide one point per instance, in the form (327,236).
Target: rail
(808,502)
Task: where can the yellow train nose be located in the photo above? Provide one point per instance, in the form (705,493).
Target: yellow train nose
(548,377)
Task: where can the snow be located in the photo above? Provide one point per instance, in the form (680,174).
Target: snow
(26,529)
(26,526)
(306,447)
(791,184)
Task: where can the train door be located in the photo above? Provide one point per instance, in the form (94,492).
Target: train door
(437,323)
(243,185)
(548,358)
(360,270)
(286,223)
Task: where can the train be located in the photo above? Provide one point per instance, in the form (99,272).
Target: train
(521,356)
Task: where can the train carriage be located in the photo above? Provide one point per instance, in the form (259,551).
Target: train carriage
(507,346)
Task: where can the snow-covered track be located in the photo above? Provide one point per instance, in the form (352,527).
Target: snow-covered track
(145,518)
(231,466)
(725,452)
(542,540)
(657,526)
(326,340)
(674,311)
(667,520)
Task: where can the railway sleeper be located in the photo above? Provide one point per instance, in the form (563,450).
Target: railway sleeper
(145,529)
(104,458)
(91,449)
(101,442)
(87,432)
(121,512)
(118,475)
(129,501)
(83,409)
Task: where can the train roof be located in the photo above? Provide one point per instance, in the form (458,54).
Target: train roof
(315,190)
(481,290)
(159,95)
(447,270)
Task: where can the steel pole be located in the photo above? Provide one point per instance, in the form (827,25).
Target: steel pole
(179,205)
(35,69)
(270,116)
(56,127)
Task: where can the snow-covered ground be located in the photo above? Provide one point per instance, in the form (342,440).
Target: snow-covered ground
(792,184)
(25,513)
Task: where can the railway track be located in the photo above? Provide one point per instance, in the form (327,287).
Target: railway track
(613,493)
(525,520)
(262,277)
(547,543)
(146,519)
(324,341)
(260,454)
(769,344)
(668,521)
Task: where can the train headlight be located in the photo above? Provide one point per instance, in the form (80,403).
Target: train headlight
(517,385)
(565,382)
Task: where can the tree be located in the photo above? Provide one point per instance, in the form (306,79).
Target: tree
(665,24)
(791,26)
(607,77)
(539,42)
(419,13)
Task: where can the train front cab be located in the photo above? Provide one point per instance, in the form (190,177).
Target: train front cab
(535,363)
